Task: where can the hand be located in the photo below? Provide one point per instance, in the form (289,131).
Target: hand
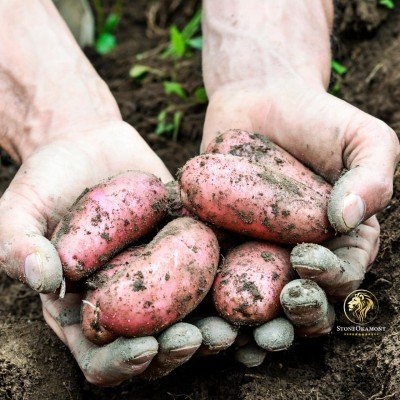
(59,119)
(266,70)
(273,90)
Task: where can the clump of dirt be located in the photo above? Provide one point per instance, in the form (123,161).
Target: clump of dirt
(35,365)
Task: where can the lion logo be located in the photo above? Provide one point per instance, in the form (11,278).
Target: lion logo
(361,307)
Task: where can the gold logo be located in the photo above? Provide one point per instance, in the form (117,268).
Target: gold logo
(361,307)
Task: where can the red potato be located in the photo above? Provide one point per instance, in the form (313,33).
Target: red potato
(107,218)
(176,209)
(246,290)
(254,199)
(91,329)
(261,150)
(159,287)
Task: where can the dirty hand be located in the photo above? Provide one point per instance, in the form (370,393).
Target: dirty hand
(60,121)
(266,68)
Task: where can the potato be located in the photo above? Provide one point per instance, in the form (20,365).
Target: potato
(247,288)
(255,199)
(226,239)
(107,218)
(159,287)
(261,150)
(92,330)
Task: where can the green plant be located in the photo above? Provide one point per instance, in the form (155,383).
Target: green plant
(106,26)
(339,71)
(387,3)
(182,41)
(338,68)
(201,95)
(174,88)
(169,119)
(169,122)
(138,71)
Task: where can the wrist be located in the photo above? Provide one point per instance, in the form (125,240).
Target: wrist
(48,86)
(265,43)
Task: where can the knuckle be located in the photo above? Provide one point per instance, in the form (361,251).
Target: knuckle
(385,189)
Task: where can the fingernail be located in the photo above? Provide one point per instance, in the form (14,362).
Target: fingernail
(33,271)
(308,271)
(353,210)
(142,358)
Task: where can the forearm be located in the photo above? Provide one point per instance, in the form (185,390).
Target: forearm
(248,41)
(47,84)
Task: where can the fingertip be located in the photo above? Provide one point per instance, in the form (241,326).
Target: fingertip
(251,355)
(357,195)
(217,333)
(179,336)
(275,335)
(303,302)
(42,268)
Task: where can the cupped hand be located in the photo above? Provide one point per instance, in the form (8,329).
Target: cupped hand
(355,152)
(351,149)
(46,185)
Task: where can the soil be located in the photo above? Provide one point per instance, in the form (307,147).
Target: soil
(35,365)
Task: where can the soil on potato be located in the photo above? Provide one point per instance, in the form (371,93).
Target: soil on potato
(35,365)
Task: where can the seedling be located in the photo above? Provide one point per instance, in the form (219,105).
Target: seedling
(387,3)
(169,119)
(174,88)
(182,41)
(200,95)
(338,68)
(339,71)
(139,71)
(106,26)
(169,123)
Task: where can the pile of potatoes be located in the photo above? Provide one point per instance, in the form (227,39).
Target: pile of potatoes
(152,252)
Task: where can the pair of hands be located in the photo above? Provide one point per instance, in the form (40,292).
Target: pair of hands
(55,174)
(250,87)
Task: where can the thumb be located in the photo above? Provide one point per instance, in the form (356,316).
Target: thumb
(25,254)
(370,154)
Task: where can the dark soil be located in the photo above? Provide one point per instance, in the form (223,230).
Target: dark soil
(35,365)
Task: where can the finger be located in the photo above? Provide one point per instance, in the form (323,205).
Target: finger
(250,355)
(275,335)
(103,366)
(217,335)
(370,153)
(25,253)
(306,306)
(176,346)
(340,267)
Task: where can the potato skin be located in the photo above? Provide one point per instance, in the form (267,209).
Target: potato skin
(254,199)
(247,288)
(107,218)
(163,284)
(176,209)
(90,311)
(261,150)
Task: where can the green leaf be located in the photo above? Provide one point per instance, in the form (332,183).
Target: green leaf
(193,26)
(105,43)
(338,68)
(177,45)
(177,125)
(200,94)
(139,71)
(336,88)
(387,3)
(196,43)
(111,23)
(160,129)
(174,88)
